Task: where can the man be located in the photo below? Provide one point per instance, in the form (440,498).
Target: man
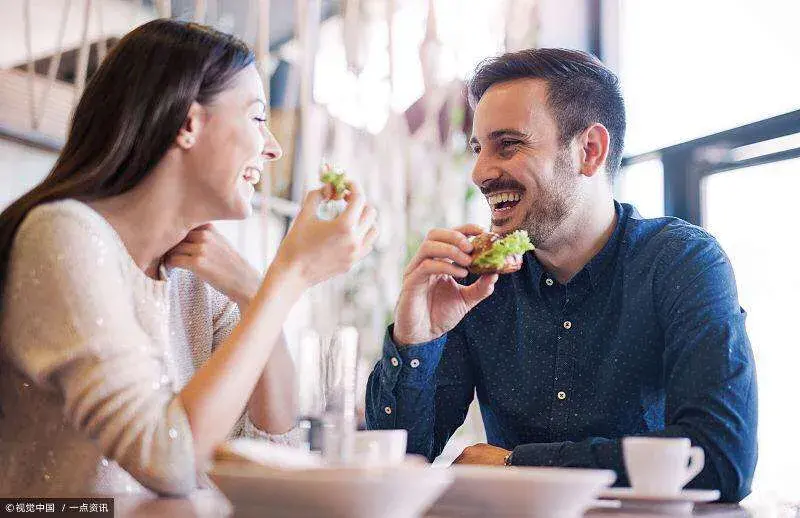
(616,325)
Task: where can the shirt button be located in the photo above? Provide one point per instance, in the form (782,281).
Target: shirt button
(414,363)
(395,361)
(388,410)
(567,324)
(561,395)
(548,281)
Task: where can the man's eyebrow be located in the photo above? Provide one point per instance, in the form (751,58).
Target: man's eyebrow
(504,132)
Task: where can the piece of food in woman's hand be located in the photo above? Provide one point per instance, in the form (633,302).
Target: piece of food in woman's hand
(492,253)
(337,179)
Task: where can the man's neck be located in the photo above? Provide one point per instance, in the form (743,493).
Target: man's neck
(579,239)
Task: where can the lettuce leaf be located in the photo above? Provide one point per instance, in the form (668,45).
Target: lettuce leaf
(516,243)
(337,179)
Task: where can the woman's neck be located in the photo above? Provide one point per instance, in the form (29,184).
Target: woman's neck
(148,219)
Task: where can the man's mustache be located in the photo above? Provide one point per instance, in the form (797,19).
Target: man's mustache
(500,184)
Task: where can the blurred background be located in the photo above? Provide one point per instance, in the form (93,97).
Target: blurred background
(375,86)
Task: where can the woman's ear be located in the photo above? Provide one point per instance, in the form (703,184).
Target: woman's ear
(192,125)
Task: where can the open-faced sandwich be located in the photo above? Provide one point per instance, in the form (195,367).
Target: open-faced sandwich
(336,179)
(492,253)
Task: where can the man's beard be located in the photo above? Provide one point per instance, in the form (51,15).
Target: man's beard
(555,202)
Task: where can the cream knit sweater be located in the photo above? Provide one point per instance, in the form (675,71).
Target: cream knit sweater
(94,353)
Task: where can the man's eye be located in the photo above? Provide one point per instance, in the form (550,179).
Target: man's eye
(476,149)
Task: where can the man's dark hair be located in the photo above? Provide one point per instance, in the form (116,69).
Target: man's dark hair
(581,91)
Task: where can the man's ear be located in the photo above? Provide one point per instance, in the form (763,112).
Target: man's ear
(191,127)
(594,142)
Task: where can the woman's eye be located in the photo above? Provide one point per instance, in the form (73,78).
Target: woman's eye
(260,120)
(509,143)
(476,149)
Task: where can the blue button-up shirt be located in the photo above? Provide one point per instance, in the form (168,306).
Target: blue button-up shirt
(647,339)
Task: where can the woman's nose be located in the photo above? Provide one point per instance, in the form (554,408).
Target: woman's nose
(272,150)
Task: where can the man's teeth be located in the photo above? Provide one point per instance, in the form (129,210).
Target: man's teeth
(495,199)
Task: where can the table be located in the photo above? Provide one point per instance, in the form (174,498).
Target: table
(212,504)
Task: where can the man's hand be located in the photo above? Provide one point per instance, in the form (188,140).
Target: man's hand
(483,454)
(208,254)
(431,302)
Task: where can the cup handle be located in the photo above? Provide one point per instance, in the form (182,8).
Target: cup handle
(697,459)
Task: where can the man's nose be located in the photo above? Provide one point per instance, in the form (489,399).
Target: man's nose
(483,172)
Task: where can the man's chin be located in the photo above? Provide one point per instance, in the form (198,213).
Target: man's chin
(503,225)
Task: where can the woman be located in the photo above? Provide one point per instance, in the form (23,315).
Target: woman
(125,358)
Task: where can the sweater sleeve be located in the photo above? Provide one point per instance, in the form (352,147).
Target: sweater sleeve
(226,317)
(70,325)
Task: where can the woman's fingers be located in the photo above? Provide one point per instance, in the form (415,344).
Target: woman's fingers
(355,205)
(367,220)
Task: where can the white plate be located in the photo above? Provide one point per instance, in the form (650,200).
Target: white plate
(402,491)
(522,492)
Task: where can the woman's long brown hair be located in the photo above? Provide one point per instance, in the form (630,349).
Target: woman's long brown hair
(130,114)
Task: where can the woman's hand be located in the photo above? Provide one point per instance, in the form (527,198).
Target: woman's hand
(212,258)
(320,249)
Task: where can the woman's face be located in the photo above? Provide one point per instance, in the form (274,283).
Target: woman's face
(232,144)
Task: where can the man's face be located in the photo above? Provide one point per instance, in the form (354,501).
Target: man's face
(529,179)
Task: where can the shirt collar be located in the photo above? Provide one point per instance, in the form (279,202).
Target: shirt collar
(534,271)
(597,267)
(598,264)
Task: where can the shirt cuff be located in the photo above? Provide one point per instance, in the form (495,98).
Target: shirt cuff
(412,365)
(535,454)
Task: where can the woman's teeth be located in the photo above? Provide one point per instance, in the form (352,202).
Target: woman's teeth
(252,176)
(504,201)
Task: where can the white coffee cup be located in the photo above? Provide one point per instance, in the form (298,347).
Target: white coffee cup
(380,447)
(660,465)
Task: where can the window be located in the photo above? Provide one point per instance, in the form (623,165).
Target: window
(752,212)
(694,73)
(642,185)
(692,68)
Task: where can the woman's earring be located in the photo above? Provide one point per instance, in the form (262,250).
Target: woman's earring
(188,140)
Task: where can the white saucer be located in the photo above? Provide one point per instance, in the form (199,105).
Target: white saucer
(675,504)
(695,496)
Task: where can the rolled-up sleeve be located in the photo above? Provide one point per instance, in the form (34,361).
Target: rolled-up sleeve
(709,367)
(425,389)
(708,370)
(226,316)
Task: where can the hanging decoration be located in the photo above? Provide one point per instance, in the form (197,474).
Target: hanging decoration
(200,11)
(522,25)
(83,53)
(164,8)
(353,35)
